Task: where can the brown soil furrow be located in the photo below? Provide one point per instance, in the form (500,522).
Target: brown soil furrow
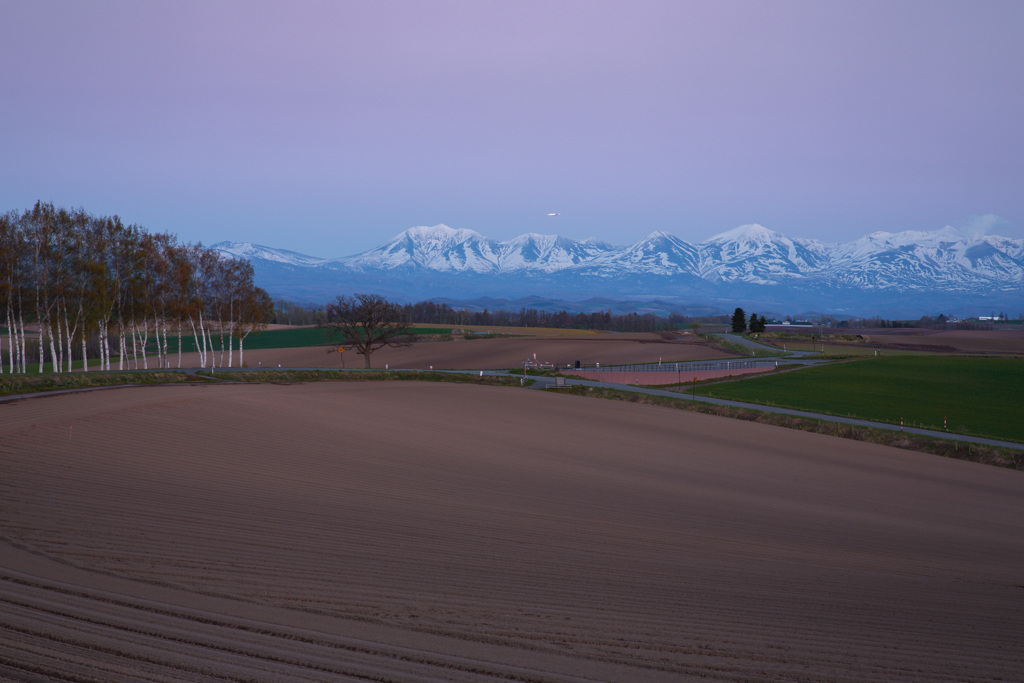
(161,643)
(632,541)
(485,354)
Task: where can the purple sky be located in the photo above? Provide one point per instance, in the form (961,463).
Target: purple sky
(328,127)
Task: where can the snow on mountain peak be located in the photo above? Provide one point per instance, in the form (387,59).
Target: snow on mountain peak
(441,232)
(746,233)
(248,250)
(913,260)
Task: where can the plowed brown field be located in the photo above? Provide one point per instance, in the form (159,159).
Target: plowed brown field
(949,341)
(413,532)
(485,354)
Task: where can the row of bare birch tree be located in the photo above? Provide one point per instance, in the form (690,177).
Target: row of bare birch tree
(70,281)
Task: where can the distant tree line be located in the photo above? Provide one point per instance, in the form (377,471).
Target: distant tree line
(71,282)
(443,314)
(940,322)
(432,313)
(429,312)
(292,313)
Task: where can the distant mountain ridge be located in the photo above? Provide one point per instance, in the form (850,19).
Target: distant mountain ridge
(749,263)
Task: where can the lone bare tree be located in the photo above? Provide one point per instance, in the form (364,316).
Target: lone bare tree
(366,322)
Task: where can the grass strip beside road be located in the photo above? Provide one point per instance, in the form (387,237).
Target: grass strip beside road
(31,383)
(960,450)
(974,395)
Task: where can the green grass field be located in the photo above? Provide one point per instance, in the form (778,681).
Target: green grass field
(274,339)
(268,339)
(978,396)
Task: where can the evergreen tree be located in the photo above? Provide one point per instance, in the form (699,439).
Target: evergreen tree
(739,321)
(756,324)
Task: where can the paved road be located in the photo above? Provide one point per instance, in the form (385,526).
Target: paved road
(548,382)
(758,346)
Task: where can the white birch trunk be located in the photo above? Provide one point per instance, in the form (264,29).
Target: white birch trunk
(241,350)
(213,349)
(195,338)
(104,343)
(42,346)
(222,364)
(133,331)
(110,351)
(58,353)
(8,344)
(68,336)
(200,345)
(53,351)
(60,342)
(202,333)
(24,348)
(143,339)
(10,333)
(122,349)
(161,346)
(59,359)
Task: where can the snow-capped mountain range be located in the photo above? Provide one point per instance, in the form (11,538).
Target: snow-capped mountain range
(750,262)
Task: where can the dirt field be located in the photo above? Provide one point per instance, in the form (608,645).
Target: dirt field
(952,341)
(663,378)
(484,354)
(414,532)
